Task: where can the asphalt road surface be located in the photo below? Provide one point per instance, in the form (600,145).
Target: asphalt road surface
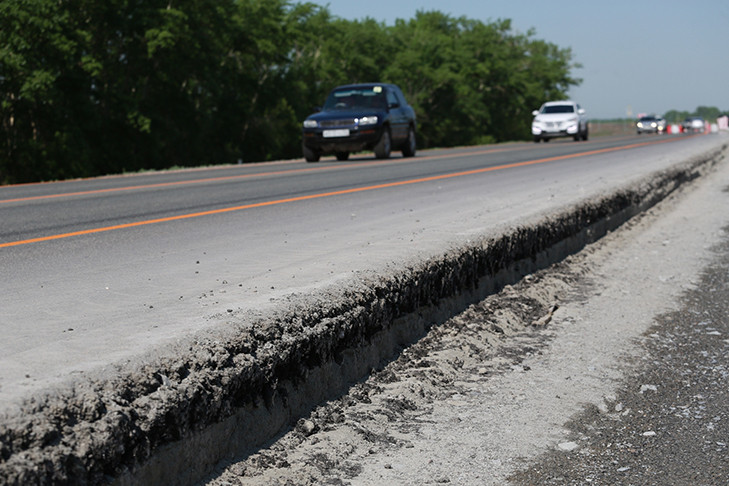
(102,271)
(608,368)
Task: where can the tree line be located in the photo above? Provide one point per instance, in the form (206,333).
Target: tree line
(91,87)
(708,113)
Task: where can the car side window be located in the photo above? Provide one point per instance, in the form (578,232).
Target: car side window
(392,99)
(400,97)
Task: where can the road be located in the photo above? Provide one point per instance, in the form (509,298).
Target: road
(95,271)
(102,274)
(607,368)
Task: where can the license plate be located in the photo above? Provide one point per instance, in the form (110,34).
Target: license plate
(342,132)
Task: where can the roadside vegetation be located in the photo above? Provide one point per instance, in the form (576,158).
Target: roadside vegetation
(708,113)
(90,87)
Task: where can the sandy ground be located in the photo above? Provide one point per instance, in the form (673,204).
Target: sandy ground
(487,394)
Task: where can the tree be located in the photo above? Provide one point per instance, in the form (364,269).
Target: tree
(90,88)
(709,113)
(35,51)
(674,116)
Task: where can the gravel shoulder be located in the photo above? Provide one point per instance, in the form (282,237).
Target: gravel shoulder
(544,373)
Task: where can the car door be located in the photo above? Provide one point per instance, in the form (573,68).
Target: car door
(398,117)
(582,118)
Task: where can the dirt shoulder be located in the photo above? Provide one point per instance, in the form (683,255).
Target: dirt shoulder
(484,395)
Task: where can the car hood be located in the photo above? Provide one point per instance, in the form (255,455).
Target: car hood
(340,114)
(555,117)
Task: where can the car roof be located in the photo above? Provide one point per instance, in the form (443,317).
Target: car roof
(563,102)
(363,85)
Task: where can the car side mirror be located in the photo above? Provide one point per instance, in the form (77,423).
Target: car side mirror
(317,109)
(535,112)
(390,106)
(581,111)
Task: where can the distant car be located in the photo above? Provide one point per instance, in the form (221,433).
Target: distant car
(693,124)
(357,117)
(650,124)
(560,119)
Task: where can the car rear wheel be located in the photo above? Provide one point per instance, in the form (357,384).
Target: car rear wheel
(384,145)
(310,155)
(586,134)
(342,155)
(410,145)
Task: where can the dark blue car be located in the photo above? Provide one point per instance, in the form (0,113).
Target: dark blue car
(357,117)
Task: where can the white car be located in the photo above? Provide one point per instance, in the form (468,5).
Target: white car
(650,124)
(560,119)
(693,124)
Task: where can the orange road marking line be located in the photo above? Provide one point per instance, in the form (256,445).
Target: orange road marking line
(234,177)
(324,194)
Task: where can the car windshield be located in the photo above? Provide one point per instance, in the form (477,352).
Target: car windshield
(368,98)
(648,118)
(558,109)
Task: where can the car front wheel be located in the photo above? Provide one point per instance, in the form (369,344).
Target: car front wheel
(384,145)
(410,145)
(310,155)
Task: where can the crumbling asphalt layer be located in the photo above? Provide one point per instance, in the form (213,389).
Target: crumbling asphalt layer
(174,419)
(395,402)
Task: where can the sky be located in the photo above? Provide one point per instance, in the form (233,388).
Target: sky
(641,56)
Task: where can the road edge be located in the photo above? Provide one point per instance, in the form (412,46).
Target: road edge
(174,419)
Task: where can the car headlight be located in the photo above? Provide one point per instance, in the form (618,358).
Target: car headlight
(640,125)
(367,120)
(310,124)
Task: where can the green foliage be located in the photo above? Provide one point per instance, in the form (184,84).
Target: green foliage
(90,87)
(674,116)
(709,113)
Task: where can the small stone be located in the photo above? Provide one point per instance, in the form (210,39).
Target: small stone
(306,427)
(568,446)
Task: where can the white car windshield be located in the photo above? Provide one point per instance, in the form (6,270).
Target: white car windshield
(558,109)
